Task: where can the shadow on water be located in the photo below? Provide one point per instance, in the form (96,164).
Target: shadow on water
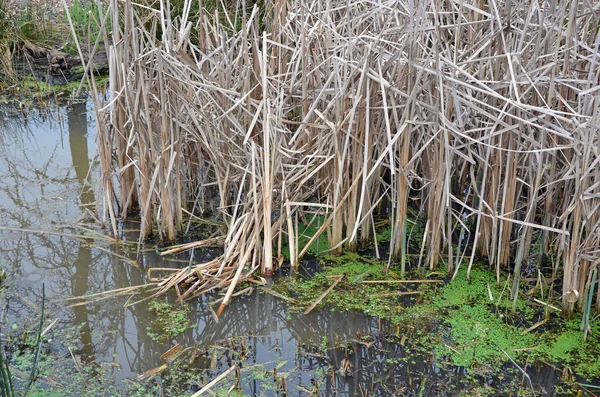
(45,163)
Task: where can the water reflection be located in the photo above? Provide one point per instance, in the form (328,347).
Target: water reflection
(43,184)
(313,351)
(78,144)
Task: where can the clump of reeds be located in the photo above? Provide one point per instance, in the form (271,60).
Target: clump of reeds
(6,67)
(485,115)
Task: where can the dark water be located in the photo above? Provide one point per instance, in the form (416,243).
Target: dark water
(45,160)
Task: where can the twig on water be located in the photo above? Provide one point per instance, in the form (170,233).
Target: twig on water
(522,371)
(215,381)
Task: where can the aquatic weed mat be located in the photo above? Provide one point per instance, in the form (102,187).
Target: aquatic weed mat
(463,324)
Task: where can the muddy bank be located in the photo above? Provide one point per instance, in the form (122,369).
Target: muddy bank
(44,76)
(55,67)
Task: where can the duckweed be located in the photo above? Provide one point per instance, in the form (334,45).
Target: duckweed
(457,321)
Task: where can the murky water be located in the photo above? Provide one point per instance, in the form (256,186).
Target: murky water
(45,160)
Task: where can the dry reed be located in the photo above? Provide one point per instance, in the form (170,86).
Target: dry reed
(485,115)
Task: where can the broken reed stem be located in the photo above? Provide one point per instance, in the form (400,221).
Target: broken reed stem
(485,118)
(324,294)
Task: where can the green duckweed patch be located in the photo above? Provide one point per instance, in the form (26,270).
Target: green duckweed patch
(170,320)
(351,294)
(383,231)
(567,347)
(478,332)
(57,374)
(464,322)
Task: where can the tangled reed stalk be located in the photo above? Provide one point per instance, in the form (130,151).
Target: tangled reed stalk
(482,114)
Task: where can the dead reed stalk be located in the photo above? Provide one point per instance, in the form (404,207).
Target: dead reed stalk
(482,115)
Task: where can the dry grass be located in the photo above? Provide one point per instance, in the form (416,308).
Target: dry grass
(485,114)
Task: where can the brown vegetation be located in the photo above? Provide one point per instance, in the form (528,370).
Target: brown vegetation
(485,114)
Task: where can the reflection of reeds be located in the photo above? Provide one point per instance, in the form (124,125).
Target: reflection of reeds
(484,114)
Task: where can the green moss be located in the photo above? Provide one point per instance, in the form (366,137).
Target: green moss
(79,69)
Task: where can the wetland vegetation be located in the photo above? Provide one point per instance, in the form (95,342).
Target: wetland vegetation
(463,323)
(408,107)
(39,59)
(340,197)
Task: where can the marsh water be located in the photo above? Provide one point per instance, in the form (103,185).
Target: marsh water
(46,157)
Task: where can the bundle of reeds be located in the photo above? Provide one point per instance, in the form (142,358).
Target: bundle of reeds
(485,115)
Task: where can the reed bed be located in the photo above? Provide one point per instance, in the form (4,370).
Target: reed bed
(483,115)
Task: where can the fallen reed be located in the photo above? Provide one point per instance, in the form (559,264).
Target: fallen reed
(482,115)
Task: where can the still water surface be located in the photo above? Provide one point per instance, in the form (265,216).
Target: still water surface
(45,160)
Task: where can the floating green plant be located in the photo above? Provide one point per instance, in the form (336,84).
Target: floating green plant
(465,322)
(170,320)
